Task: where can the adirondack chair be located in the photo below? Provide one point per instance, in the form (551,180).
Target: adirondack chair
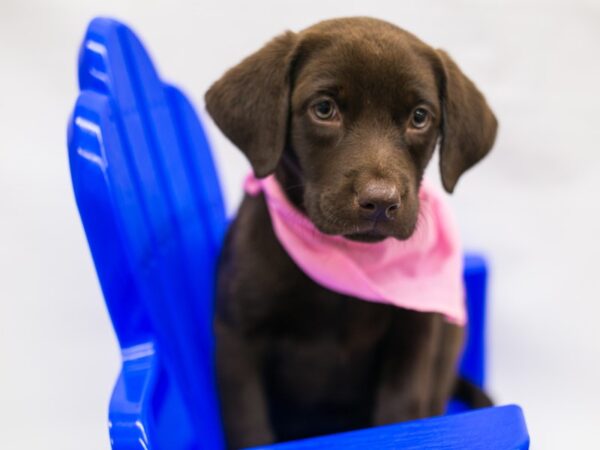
(152,209)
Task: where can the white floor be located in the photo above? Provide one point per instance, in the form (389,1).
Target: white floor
(531,206)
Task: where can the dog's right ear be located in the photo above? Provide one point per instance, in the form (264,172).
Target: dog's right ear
(250,103)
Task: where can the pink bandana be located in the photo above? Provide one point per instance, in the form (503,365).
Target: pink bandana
(422,273)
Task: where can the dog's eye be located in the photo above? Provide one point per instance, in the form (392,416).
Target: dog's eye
(420,118)
(324,110)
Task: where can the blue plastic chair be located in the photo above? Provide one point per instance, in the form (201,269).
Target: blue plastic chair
(152,209)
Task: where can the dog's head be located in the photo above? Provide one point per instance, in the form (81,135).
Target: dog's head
(349,112)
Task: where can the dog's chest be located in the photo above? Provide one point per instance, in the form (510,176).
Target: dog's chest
(330,348)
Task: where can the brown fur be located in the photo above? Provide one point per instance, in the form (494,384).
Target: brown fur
(293,358)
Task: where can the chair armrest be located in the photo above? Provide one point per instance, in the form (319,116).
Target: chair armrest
(498,428)
(146,409)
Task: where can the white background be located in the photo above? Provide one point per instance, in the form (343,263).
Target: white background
(532,206)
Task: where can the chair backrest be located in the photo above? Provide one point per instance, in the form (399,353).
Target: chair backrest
(151,206)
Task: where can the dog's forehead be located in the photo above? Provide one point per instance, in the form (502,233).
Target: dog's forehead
(380,64)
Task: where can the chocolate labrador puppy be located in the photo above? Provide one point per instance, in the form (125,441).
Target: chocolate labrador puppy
(347,114)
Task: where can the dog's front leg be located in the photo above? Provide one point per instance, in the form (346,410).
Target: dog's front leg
(241,388)
(451,341)
(406,381)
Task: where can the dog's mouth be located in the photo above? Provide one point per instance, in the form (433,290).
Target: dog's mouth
(375,231)
(368,236)
(367,231)
(378,231)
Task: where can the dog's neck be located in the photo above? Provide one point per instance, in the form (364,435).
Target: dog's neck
(289,176)
(422,273)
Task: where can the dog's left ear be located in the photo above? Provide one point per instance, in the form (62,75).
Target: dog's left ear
(250,103)
(468,125)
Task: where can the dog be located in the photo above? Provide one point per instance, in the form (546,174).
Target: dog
(345,115)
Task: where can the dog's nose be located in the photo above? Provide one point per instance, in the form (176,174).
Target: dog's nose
(378,200)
